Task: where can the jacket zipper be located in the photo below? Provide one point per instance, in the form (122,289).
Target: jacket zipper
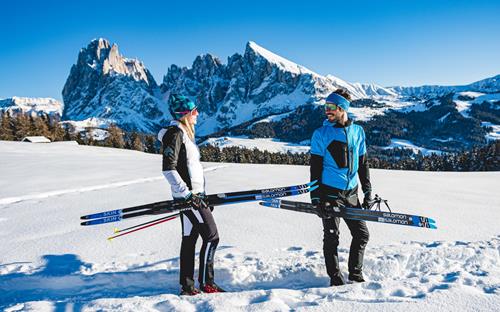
(348,159)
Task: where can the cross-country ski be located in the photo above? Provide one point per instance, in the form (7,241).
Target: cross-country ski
(356,213)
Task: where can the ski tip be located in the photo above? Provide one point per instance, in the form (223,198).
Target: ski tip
(433,226)
(431,220)
(83,218)
(313,188)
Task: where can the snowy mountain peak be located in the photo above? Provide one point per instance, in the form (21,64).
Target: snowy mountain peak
(281,62)
(107,85)
(105,58)
(360,90)
(32,106)
(488,85)
(206,64)
(98,45)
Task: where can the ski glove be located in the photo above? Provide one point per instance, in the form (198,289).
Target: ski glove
(367,201)
(196,201)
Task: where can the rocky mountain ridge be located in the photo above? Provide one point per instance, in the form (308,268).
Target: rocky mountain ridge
(245,94)
(104,84)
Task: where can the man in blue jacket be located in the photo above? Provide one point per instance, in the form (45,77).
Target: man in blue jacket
(338,158)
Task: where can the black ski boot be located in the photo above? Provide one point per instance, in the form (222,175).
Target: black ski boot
(190,291)
(357,278)
(337,280)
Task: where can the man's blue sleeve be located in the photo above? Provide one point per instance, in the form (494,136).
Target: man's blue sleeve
(317,147)
(362,144)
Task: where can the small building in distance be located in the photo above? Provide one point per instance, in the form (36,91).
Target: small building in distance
(35,139)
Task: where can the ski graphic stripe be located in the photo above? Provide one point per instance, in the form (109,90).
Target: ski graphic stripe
(279,202)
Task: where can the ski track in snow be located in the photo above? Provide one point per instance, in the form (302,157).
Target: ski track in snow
(213,168)
(13,200)
(405,272)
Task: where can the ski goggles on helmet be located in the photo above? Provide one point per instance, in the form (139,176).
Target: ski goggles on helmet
(194,111)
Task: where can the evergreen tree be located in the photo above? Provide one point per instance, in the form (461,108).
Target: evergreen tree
(21,126)
(115,137)
(6,128)
(136,142)
(90,136)
(150,144)
(69,132)
(39,126)
(58,132)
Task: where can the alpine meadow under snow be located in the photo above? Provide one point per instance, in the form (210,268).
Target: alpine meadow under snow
(268,260)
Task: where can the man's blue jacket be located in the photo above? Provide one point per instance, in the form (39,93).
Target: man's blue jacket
(338,158)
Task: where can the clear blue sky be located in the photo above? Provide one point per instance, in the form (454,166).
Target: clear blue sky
(383,42)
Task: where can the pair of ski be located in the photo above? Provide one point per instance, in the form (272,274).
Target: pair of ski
(169,206)
(270,197)
(355,213)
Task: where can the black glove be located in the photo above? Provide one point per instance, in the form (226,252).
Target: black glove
(196,201)
(367,201)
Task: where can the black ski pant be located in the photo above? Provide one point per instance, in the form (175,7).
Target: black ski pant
(197,223)
(358,229)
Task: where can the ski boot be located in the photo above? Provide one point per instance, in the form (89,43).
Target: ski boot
(357,278)
(337,280)
(190,291)
(211,288)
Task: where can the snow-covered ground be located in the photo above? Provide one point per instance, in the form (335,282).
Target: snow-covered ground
(494,134)
(270,145)
(269,260)
(399,143)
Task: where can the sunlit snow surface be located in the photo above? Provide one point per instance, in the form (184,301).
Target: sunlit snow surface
(270,145)
(268,260)
(405,144)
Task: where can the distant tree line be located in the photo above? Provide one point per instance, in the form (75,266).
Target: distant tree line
(486,158)
(236,154)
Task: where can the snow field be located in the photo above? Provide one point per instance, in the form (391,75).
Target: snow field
(269,260)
